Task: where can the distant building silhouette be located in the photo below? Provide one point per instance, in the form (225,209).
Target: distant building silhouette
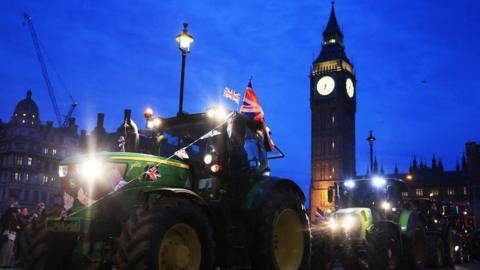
(30,152)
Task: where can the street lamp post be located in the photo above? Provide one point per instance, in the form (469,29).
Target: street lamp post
(371,140)
(184,40)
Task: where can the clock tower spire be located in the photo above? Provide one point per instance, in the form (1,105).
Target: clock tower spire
(333,106)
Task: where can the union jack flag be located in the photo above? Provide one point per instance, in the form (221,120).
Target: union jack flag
(232,95)
(252,109)
(251,106)
(152,173)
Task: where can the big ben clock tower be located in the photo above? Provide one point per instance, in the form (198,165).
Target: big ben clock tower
(333,105)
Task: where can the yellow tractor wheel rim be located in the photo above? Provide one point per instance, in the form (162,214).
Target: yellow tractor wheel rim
(288,240)
(180,249)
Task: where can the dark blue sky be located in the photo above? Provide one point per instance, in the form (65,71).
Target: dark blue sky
(122,54)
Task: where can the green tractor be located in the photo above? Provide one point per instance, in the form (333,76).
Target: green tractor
(371,227)
(215,207)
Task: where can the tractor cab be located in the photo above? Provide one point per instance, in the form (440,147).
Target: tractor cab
(225,151)
(378,194)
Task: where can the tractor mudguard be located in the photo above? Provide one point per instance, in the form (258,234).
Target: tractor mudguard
(181,192)
(259,191)
(408,219)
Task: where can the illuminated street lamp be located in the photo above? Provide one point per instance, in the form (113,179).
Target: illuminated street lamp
(184,40)
(371,140)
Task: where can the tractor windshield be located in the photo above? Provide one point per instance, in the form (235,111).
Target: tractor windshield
(370,193)
(360,194)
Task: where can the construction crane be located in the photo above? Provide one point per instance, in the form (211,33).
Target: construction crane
(43,67)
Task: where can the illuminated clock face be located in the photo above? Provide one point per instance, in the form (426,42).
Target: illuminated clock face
(350,88)
(325,85)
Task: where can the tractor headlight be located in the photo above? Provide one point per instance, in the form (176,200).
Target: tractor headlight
(219,113)
(378,181)
(349,184)
(348,222)
(332,224)
(62,170)
(386,206)
(90,168)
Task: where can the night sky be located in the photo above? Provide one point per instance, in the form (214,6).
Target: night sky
(112,55)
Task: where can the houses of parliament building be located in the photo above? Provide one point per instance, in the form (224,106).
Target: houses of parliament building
(333,100)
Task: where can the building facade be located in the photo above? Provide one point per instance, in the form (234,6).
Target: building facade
(29,155)
(461,186)
(333,106)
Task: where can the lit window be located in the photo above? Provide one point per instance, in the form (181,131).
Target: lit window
(435,192)
(404,194)
(332,40)
(29,161)
(333,169)
(24,114)
(333,119)
(33,115)
(17,176)
(26,177)
(465,191)
(45,151)
(54,151)
(23,121)
(419,192)
(333,145)
(451,191)
(19,161)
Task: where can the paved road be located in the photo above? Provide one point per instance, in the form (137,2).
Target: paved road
(469,266)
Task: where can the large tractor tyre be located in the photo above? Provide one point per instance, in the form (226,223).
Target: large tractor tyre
(449,247)
(323,257)
(383,249)
(282,236)
(435,251)
(415,248)
(174,233)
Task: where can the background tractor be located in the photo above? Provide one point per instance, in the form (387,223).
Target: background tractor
(146,208)
(370,227)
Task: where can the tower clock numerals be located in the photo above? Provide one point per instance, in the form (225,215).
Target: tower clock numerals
(350,88)
(325,85)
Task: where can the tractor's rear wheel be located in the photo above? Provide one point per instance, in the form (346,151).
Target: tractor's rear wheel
(282,233)
(435,251)
(415,248)
(383,249)
(172,234)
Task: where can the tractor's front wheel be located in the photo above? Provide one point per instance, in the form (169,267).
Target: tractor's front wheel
(282,234)
(172,234)
(383,249)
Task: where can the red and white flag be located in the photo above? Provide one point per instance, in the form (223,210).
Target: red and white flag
(152,173)
(232,95)
(252,109)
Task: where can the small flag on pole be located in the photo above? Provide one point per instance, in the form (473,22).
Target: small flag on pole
(121,143)
(232,95)
(152,173)
(182,154)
